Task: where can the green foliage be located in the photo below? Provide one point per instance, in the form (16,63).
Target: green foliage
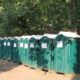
(18,17)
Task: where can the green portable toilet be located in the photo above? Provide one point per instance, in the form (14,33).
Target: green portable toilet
(9,44)
(33,44)
(15,50)
(65,51)
(26,50)
(1,48)
(4,47)
(21,50)
(51,38)
(44,53)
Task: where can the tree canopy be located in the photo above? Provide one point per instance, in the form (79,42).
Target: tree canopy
(18,17)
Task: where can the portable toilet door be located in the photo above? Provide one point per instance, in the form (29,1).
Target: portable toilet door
(1,48)
(15,50)
(9,48)
(51,38)
(26,50)
(44,53)
(21,51)
(4,48)
(65,52)
(33,52)
(77,67)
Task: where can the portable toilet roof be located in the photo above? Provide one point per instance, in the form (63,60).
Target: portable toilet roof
(5,38)
(37,36)
(28,36)
(17,37)
(52,36)
(69,34)
(10,38)
(1,38)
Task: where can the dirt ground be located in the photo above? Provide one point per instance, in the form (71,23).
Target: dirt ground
(13,71)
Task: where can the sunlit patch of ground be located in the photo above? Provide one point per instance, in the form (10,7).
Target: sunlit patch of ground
(13,71)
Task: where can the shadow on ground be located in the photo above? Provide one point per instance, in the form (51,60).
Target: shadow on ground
(6,66)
